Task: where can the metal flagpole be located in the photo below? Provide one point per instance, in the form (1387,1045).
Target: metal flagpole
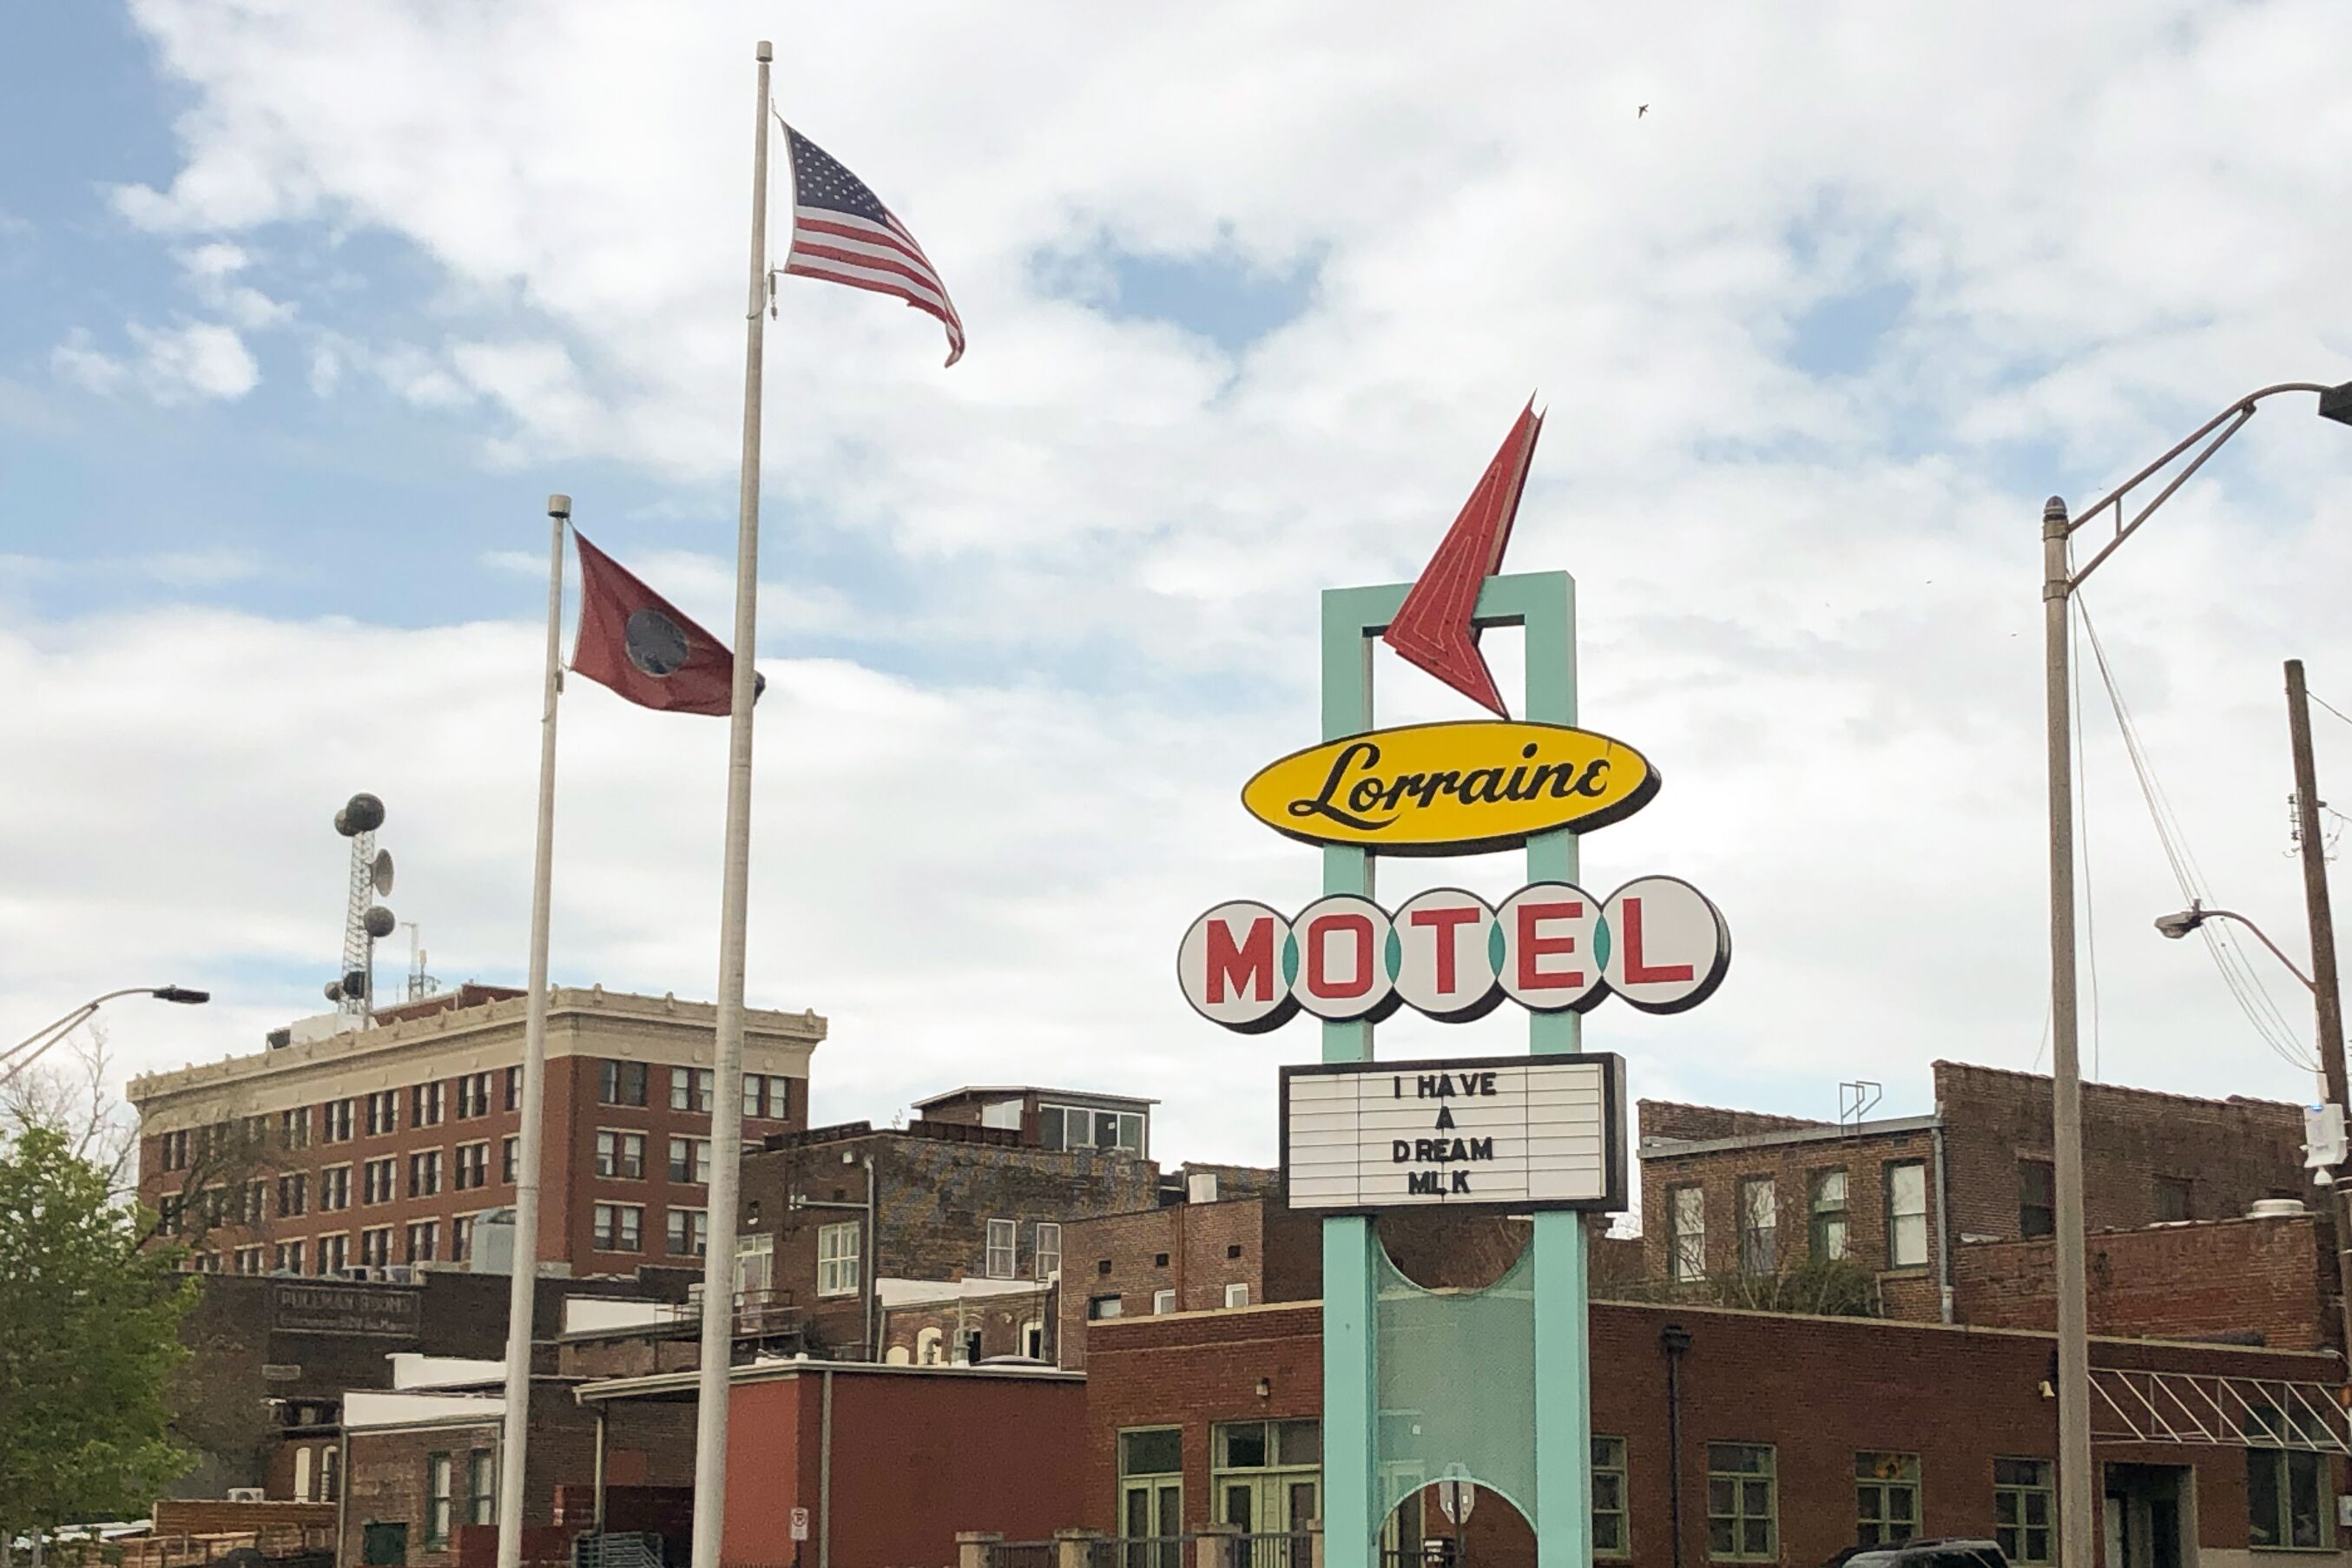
(727,1112)
(522,1297)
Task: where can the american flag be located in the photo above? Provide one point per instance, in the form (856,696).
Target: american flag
(842,233)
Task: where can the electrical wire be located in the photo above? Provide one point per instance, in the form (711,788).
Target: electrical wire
(2238,973)
(2329,706)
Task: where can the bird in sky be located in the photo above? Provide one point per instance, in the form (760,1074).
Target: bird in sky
(1641,111)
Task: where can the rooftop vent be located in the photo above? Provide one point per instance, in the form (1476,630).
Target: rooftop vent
(2275,1208)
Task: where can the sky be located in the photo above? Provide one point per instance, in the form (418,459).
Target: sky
(310,308)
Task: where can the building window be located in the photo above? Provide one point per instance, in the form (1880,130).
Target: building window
(620,1155)
(514,1089)
(334,1188)
(1830,1228)
(383,1113)
(1151,1494)
(425,1104)
(1907,1215)
(335,1121)
(473,1167)
(690,1088)
(461,1238)
(335,1253)
(294,1127)
(2174,1200)
(621,1083)
(1046,1257)
(1001,1242)
(506,1160)
(424,1241)
(437,1500)
(473,1096)
(2289,1498)
(1100,1307)
(1686,1232)
(293,1195)
(481,1489)
(424,1174)
(249,1261)
(2023,1499)
(1885,1499)
(1266,1474)
(1743,1504)
(1075,1126)
(1237,1295)
(289,1257)
(330,1482)
(1032,1339)
(1609,1532)
(256,1202)
(689,1233)
(837,1259)
(378,1179)
(1164,1301)
(1759,1225)
(375,1247)
(175,1151)
(755,1264)
(930,1347)
(2037,1199)
(620,1227)
(689,1160)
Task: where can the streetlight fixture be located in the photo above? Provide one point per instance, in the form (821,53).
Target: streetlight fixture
(30,1049)
(2177,926)
(2078,1491)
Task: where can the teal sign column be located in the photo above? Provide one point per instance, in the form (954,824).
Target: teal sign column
(1492,1386)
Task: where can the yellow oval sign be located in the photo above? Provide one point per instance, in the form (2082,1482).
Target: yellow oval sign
(1452,788)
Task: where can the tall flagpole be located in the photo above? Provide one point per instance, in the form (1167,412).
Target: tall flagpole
(727,1114)
(522,1296)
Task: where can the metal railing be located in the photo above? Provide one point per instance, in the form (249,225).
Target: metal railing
(768,1311)
(2202,1408)
(1283,1549)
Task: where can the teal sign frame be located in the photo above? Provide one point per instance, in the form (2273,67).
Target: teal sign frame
(1532,1442)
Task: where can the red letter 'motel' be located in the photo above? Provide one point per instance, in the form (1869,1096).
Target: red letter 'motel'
(1319,981)
(1244,967)
(1636,972)
(1443,921)
(1533,946)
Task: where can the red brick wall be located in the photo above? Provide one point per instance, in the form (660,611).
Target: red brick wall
(998,1319)
(1198,1242)
(906,1473)
(1668,1119)
(2270,1277)
(1819,1390)
(2233,1150)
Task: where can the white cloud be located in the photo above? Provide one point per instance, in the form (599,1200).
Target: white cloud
(196,361)
(75,361)
(1812,598)
(215,260)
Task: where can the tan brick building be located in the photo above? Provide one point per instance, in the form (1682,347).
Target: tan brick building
(379,1149)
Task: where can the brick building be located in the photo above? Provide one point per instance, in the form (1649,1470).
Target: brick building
(1800,1436)
(1050,1118)
(380,1148)
(1185,1258)
(829,1212)
(890,1462)
(1726,1192)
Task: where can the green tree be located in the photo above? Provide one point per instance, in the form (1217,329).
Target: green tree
(90,1347)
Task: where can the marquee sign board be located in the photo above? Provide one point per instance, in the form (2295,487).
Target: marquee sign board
(1509,1135)
(1451,788)
(1551,947)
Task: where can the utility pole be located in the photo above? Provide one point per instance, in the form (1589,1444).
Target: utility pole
(2328,1001)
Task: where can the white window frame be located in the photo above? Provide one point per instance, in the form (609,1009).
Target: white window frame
(1163,1302)
(1237,1294)
(1046,1250)
(695,1226)
(1003,1248)
(837,1259)
(1905,1222)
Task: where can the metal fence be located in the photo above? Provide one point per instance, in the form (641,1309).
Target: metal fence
(1283,1549)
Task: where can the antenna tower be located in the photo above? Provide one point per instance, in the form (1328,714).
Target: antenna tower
(352,991)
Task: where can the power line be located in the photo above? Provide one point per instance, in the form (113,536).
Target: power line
(2245,984)
(2329,706)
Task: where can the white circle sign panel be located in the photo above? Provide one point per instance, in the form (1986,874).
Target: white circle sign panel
(1551,961)
(1229,966)
(1343,971)
(1668,947)
(1446,956)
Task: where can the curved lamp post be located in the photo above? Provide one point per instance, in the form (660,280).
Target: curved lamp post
(2177,926)
(29,1050)
(2079,1493)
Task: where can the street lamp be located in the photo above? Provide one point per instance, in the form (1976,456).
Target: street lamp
(29,1050)
(2078,1494)
(2177,926)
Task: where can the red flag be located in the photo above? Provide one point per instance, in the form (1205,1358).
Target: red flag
(1433,626)
(636,642)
